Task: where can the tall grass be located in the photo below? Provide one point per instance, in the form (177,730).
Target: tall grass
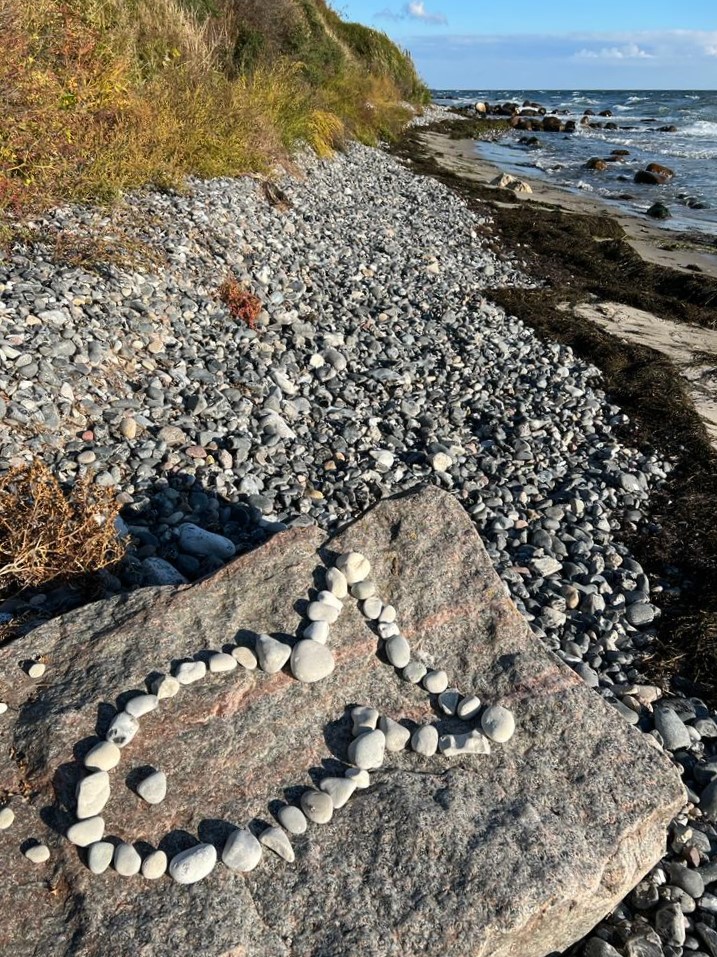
(98,96)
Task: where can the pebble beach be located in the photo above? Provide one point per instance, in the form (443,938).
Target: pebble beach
(378,361)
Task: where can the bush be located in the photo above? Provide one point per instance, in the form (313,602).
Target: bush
(241,303)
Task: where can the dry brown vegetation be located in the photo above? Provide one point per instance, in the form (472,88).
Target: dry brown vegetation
(240,301)
(48,536)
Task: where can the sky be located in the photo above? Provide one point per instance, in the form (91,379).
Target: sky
(565,44)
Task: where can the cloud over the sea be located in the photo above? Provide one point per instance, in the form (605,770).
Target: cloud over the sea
(629,51)
(415,10)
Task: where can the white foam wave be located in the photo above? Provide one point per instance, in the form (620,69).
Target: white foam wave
(701,128)
(636,99)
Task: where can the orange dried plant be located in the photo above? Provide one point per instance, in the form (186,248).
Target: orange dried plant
(240,302)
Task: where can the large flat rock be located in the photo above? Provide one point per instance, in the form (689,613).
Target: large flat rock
(516,853)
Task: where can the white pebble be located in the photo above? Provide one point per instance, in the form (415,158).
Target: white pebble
(336,583)
(398,651)
(103,756)
(7,816)
(272,654)
(387,629)
(245,657)
(127,861)
(355,566)
(472,742)
(37,669)
(154,866)
(424,740)
(86,832)
(3,707)
(367,750)
(194,864)
(317,806)
(277,841)
(363,590)
(122,729)
(99,856)
(364,718)
(361,777)
(153,788)
(188,672)
(317,631)
(38,853)
(338,789)
(397,737)
(320,611)
(469,707)
(388,615)
(498,723)
(328,598)
(242,852)
(292,819)
(448,701)
(165,687)
(311,661)
(435,682)
(372,608)
(415,671)
(93,792)
(220,662)
(142,704)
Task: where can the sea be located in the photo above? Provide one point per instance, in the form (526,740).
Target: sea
(560,159)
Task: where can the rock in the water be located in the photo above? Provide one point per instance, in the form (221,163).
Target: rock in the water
(242,852)
(311,661)
(126,861)
(424,740)
(338,789)
(498,723)
(103,756)
(317,806)
(154,866)
(122,729)
(93,792)
(271,654)
(194,864)
(367,750)
(153,788)
(292,819)
(277,841)
(99,856)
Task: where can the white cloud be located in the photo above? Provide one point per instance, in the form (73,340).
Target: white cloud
(415,10)
(630,51)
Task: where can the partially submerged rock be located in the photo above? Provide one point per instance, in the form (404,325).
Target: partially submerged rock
(523,849)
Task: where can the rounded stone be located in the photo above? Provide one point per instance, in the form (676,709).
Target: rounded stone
(122,729)
(220,662)
(321,611)
(93,792)
(7,816)
(336,582)
(272,654)
(363,590)
(292,819)
(277,841)
(367,750)
(37,669)
(387,629)
(165,686)
(99,856)
(86,832)
(364,718)
(397,737)
(498,723)
(371,608)
(154,866)
(361,777)
(436,682)
(242,852)
(142,704)
(317,806)
(245,657)
(448,701)
(424,740)
(3,707)
(317,631)
(414,672)
(355,566)
(103,756)
(311,661)
(398,651)
(153,788)
(388,615)
(468,708)
(338,789)
(126,861)
(328,598)
(38,853)
(194,864)
(188,672)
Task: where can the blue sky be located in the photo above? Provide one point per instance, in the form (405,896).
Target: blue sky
(573,44)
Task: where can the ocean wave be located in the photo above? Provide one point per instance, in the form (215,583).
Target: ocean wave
(636,99)
(701,128)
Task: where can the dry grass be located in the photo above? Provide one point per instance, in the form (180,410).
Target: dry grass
(49,537)
(241,303)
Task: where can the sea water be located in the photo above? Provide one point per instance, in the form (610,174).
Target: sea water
(560,158)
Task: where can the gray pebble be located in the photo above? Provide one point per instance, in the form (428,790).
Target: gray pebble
(360,777)
(414,672)
(141,704)
(436,682)
(387,629)
(355,566)
(317,631)
(166,686)
(127,861)
(153,788)
(472,742)
(37,669)
(336,583)
(388,615)
(194,864)
(672,729)
(271,654)
(103,756)
(364,590)
(38,853)
(7,816)
(277,841)
(221,662)
(292,819)
(364,718)
(367,750)
(311,661)
(245,657)
(397,737)
(424,740)
(398,651)
(99,856)
(154,866)
(122,729)
(498,723)
(448,700)
(242,851)
(86,832)
(188,672)
(338,789)
(93,792)
(321,611)
(468,708)
(371,608)
(317,806)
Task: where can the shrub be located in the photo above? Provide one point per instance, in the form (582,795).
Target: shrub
(241,303)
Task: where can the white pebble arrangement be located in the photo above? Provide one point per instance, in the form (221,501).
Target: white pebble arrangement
(310,660)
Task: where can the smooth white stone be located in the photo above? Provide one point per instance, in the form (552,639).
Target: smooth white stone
(363,590)
(153,788)
(122,729)
(355,566)
(103,757)
(388,615)
(245,657)
(336,583)
(86,832)
(142,704)
(3,707)
(435,682)
(361,777)
(367,750)
(311,661)
(7,816)
(277,841)
(154,866)
(92,792)
(292,819)
(272,654)
(415,671)
(328,598)
(38,853)
(469,707)
(188,672)
(165,687)
(365,718)
(99,856)
(398,651)
(372,608)
(194,864)
(37,669)
(397,737)
(498,723)
(220,662)
(424,740)
(448,701)
(320,611)
(126,861)
(387,629)
(317,806)
(317,631)
(473,742)
(338,789)
(242,852)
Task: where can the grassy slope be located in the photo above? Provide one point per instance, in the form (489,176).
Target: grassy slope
(102,95)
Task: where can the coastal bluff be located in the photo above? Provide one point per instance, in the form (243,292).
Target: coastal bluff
(516,853)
